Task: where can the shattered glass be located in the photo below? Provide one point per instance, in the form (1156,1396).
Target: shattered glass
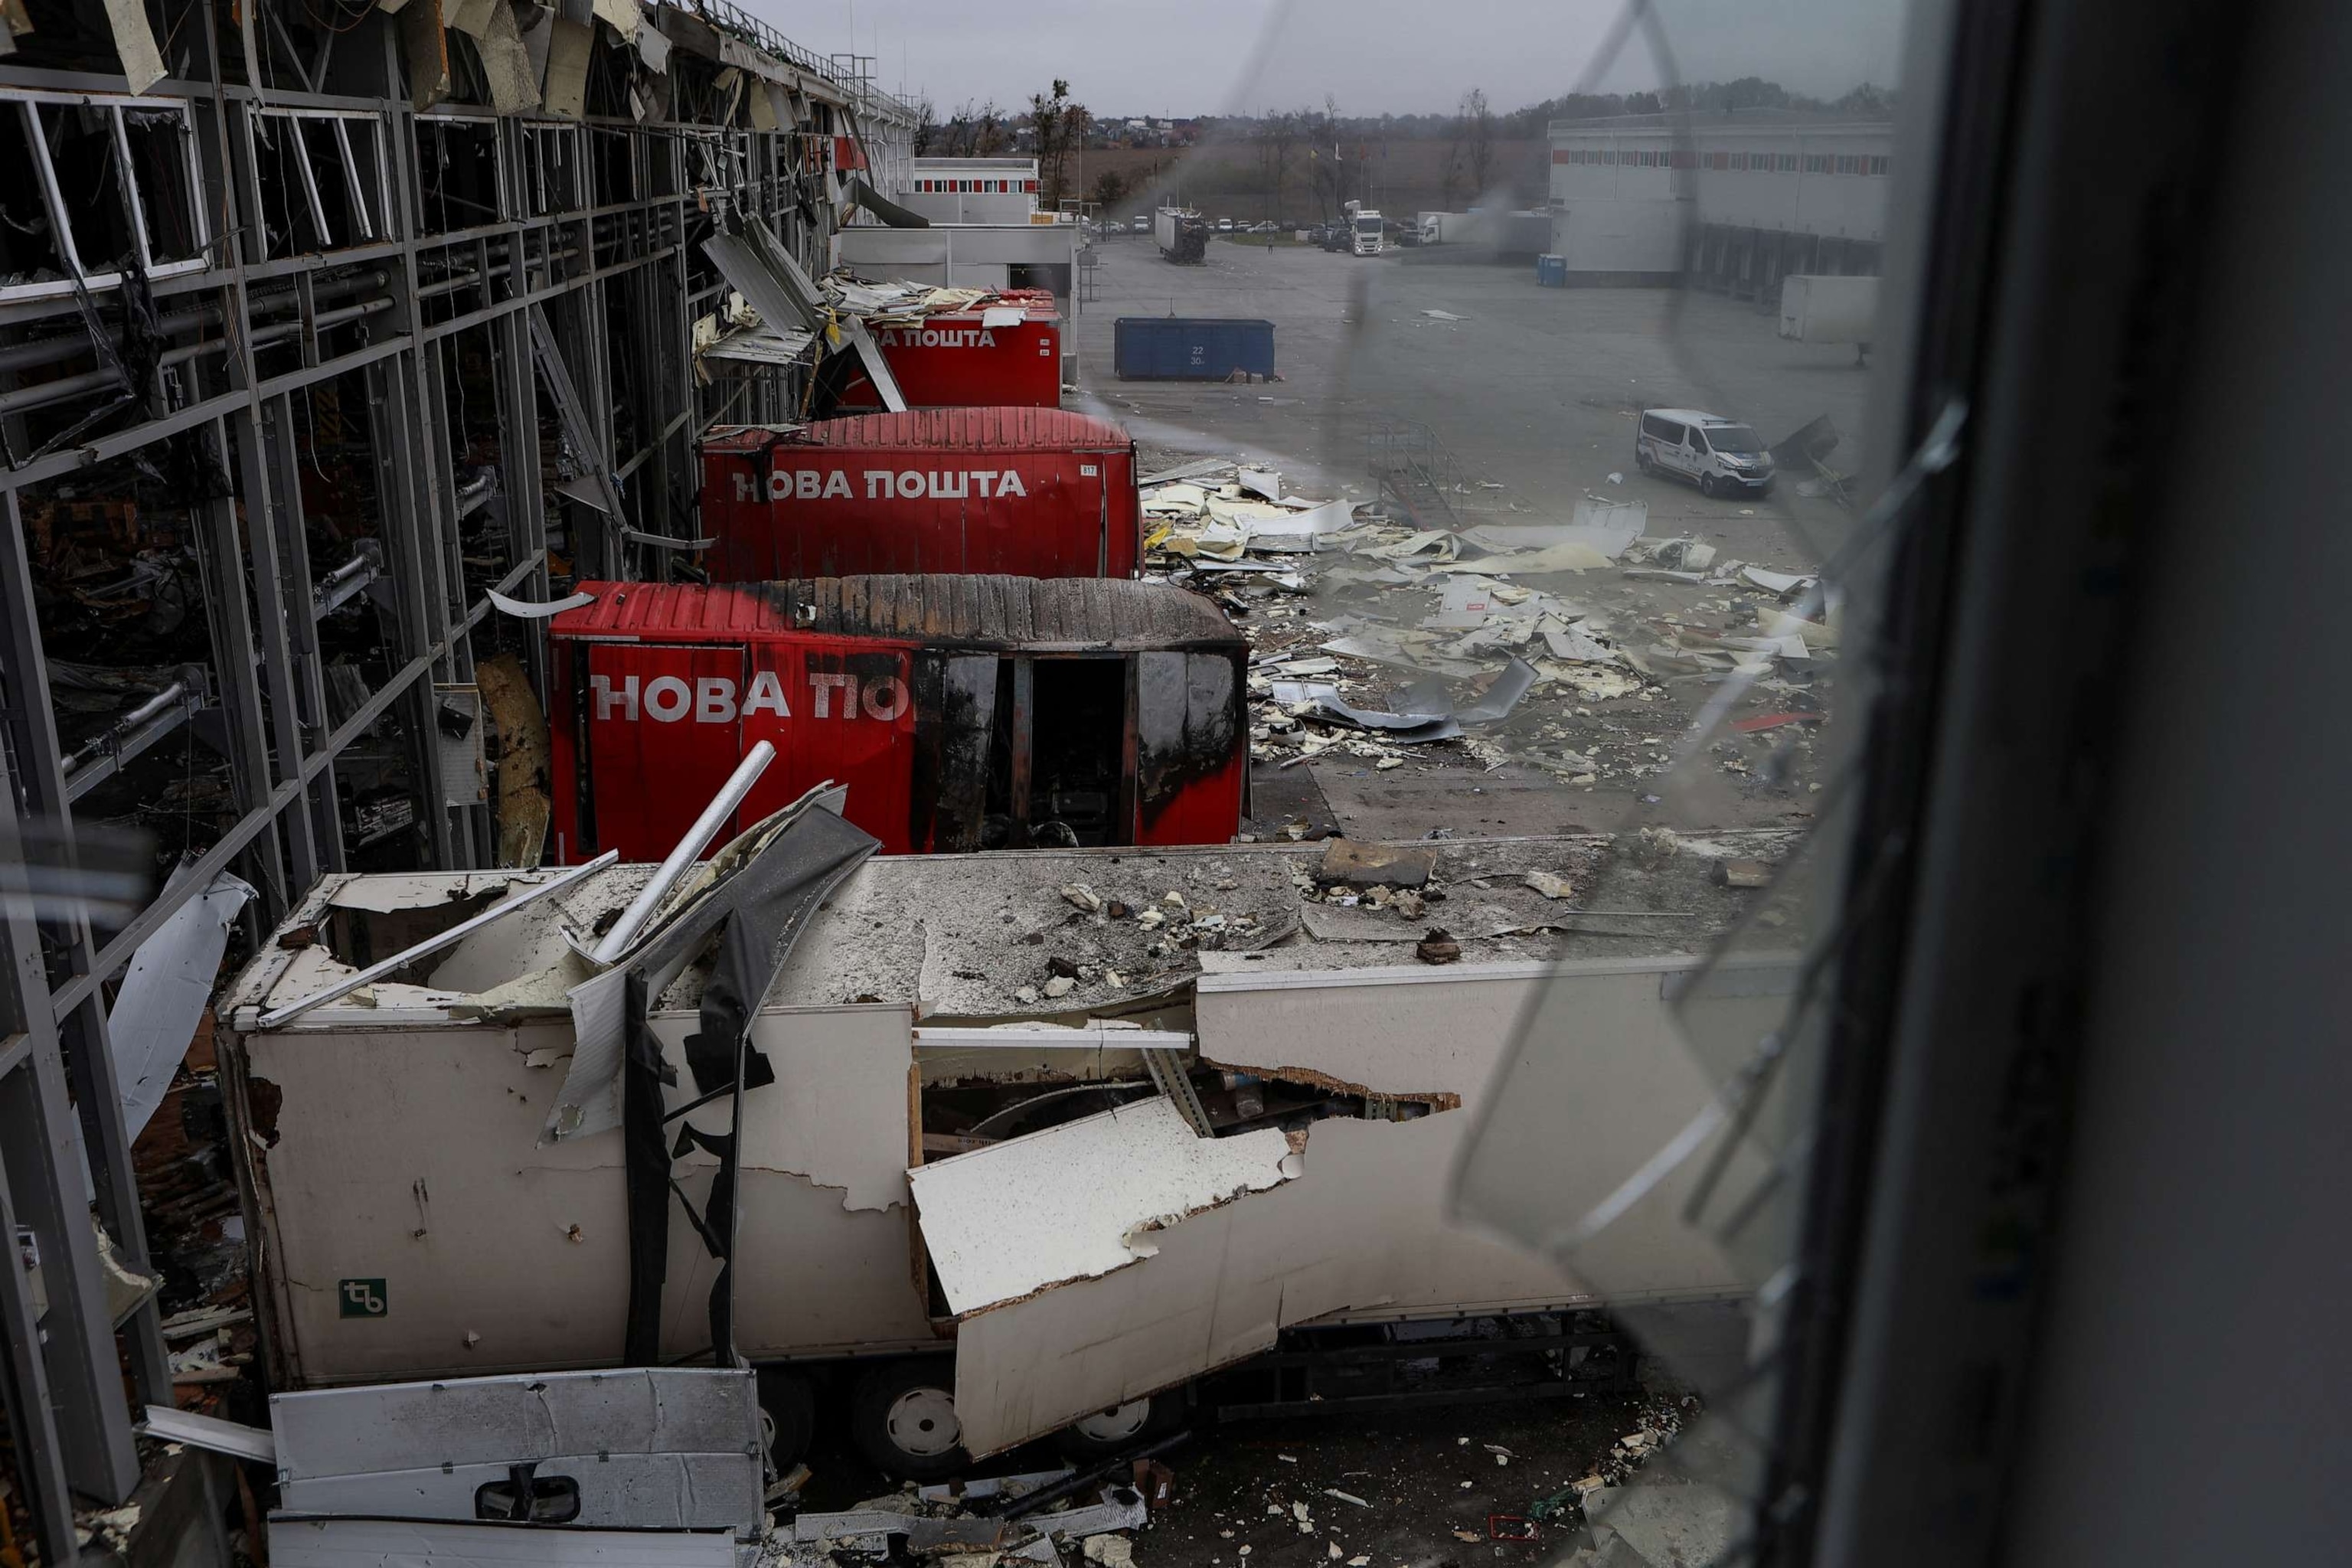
(1525,604)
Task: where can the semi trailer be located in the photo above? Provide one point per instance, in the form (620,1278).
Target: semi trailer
(1181,233)
(1032,492)
(964,712)
(1058,1142)
(1004,350)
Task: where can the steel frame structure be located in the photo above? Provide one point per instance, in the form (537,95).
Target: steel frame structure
(583,288)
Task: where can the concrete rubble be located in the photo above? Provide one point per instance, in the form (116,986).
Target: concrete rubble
(1378,641)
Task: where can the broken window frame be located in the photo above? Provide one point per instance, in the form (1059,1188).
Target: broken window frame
(713,159)
(28,104)
(482,120)
(366,201)
(560,188)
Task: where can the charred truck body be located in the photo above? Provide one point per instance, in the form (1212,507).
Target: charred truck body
(1037,492)
(963,712)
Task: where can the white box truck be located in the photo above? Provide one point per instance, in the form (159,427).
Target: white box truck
(1824,308)
(952,1169)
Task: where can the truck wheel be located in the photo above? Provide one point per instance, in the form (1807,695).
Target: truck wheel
(787,1416)
(902,1416)
(1641,461)
(1707,486)
(1107,1434)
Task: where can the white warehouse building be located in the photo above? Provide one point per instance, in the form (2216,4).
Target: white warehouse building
(1733,201)
(973,190)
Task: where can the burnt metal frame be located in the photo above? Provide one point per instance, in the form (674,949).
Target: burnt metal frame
(61,1130)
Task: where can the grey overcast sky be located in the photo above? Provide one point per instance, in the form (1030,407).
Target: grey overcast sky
(1210,57)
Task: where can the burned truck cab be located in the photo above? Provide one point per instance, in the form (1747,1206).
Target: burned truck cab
(962,712)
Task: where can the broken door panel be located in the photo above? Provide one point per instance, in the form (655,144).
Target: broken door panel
(1010,1227)
(1188,766)
(955,715)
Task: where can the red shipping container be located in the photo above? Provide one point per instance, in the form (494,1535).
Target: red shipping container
(1034,492)
(993,356)
(963,712)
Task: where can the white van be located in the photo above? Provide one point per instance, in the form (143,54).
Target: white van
(1720,455)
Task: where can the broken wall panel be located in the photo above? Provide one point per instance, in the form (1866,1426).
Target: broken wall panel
(411,1158)
(1363,1230)
(1079,1201)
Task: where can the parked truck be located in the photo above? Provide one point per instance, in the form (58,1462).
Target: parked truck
(995,1111)
(1182,234)
(1031,492)
(1366,230)
(1828,308)
(964,712)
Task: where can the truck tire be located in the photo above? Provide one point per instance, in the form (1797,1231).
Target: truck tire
(1707,486)
(1107,1434)
(902,1417)
(787,1416)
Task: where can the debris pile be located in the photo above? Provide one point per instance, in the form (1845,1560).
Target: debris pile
(1051,1517)
(1578,648)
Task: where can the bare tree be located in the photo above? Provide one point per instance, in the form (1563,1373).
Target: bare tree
(989,136)
(1325,171)
(955,136)
(1283,133)
(1057,123)
(1478,137)
(1076,123)
(1452,181)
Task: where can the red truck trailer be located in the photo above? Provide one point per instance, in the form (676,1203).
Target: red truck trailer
(1037,492)
(963,712)
(1007,350)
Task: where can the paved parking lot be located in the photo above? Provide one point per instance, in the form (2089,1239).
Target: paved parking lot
(1532,393)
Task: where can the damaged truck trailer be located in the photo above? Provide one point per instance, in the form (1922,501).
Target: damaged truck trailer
(1028,1144)
(963,712)
(1031,491)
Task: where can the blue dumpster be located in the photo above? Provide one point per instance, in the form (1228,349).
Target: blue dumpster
(1551,271)
(1191,348)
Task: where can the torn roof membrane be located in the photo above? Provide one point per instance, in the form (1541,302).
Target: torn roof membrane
(1078,1201)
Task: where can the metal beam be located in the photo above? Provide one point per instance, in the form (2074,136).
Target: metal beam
(534,280)
(117,952)
(32,1419)
(41,1155)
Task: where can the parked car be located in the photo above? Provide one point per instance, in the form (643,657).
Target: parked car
(1141,223)
(1720,455)
(1224,226)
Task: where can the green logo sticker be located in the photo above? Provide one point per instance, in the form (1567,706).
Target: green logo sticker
(361,1297)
